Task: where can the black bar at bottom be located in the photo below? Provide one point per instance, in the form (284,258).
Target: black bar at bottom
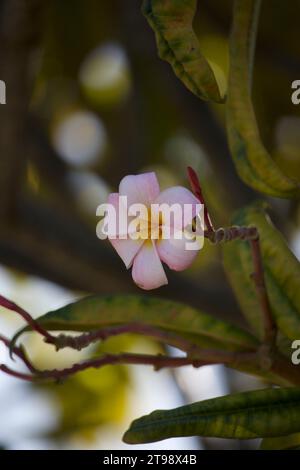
(146,459)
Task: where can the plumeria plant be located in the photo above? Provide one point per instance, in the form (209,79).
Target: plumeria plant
(148,227)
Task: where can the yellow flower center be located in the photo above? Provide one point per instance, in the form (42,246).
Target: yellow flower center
(151,229)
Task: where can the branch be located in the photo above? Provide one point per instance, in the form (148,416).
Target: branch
(228,234)
(26,316)
(19,351)
(262,359)
(84,340)
(210,356)
(158,362)
(193,351)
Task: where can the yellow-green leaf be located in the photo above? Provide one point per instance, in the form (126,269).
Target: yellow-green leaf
(96,312)
(261,413)
(172,22)
(242,284)
(281,443)
(254,164)
(282,274)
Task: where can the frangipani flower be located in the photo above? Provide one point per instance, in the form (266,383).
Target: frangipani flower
(138,247)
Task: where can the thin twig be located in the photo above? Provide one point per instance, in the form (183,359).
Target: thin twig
(279,365)
(17,374)
(228,234)
(195,355)
(84,340)
(170,338)
(158,362)
(263,359)
(19,351)
(79,342)
(25,315)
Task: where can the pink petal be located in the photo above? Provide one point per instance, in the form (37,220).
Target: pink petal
(148,272)
(142,188)
(180,196)
(174,253)
(127,249)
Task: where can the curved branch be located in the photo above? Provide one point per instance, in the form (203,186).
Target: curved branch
(158,362)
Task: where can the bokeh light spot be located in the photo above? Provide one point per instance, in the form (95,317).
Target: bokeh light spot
(80,138)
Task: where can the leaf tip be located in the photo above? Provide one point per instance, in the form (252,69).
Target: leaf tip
(130,437)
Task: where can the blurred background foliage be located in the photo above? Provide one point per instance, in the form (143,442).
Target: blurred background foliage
(89,101)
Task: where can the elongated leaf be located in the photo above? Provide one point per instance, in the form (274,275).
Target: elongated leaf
(262,413)
(282,273)
(95,312)
(253,162)
(238,266)
(172,22)
(242,284)
(281,443)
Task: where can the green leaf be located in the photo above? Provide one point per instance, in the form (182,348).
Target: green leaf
(96,312)
(172,22)
(281,443)
(242,284)
(282,274)
(261,413)
(254,164)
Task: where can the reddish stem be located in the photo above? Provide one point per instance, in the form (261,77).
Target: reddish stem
(18,375)
(196,188)
(25,315)
(84,340)
(158,362)
(20,353)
